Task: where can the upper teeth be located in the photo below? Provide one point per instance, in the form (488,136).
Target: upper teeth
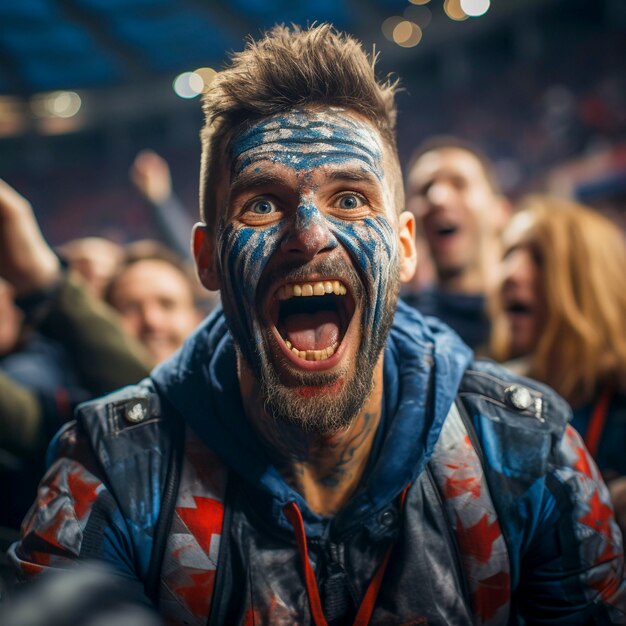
(311,289)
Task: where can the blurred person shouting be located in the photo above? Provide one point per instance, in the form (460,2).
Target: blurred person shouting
(154,294)
(560,314)
(453,192)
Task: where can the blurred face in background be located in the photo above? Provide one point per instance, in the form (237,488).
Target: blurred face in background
(156,303)
(522,297)
(450,194)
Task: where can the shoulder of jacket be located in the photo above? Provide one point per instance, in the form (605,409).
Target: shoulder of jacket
(127,408)
(126,424)
(500,395)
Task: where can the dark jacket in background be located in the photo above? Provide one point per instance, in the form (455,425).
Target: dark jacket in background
(465,313)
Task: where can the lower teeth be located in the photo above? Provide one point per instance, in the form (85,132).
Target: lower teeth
(313,355)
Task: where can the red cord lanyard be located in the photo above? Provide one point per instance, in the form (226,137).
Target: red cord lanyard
(292,513)
(598,418)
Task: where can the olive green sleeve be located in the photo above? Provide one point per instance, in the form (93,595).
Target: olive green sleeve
(105,357)
(21,418)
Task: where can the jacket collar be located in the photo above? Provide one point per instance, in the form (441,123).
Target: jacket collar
(423,366)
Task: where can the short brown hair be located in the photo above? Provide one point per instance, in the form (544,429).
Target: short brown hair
(288,68)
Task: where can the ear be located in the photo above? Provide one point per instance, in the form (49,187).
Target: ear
(204,253)
(408,250)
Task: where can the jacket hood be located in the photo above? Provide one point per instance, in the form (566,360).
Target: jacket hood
(423,366)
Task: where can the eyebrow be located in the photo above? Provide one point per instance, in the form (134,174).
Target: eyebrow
(352,175)
(252,180)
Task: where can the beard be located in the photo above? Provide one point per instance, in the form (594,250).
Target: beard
(326,413)
(322,414)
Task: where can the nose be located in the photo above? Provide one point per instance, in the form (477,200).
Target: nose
(151,317)
(309,233)
(438,193)
(518,268)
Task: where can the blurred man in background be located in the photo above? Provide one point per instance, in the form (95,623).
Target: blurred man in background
(453,192)
(154,294)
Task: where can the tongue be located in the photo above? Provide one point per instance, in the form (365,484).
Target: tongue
(312,331)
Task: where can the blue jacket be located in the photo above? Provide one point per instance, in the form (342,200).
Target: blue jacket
(481,504)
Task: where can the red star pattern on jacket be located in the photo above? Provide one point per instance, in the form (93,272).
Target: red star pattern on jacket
(71,482)
(204,521)
(458,471)
(595,513)
(457,486)
(598,516)
(477,540)
(188,573)
(197,595)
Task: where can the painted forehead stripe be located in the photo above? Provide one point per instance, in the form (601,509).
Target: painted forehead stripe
(306,140)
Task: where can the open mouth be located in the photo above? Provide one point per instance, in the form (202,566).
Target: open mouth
(518,307)
(446,231)
(311,319)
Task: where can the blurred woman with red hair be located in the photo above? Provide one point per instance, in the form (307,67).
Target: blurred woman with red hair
(560,317)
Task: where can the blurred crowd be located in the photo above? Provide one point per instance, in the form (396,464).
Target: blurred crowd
(535,108)
(82,320)
(538,285)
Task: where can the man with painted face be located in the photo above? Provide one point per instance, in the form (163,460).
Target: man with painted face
(316,453)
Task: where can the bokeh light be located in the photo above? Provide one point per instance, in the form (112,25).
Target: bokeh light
(188,85)
(62,104)
(65,103)
(12,118)
(454,11)
(419,1)
(207,74)
(389,25)
(475,8)
(407,34)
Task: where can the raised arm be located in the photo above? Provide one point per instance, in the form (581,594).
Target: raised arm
(150,173)
(61,308)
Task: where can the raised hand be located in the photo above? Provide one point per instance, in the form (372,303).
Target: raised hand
(26,259)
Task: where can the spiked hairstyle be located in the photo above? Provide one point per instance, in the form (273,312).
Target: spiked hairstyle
(289,68)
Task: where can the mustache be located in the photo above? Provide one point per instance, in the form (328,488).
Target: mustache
(296,272)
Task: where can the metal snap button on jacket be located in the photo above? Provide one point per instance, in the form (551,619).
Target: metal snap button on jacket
(518,397)
(135,413)
(388,517)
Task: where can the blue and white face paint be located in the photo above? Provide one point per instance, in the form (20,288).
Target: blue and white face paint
(310,204)
(306,140)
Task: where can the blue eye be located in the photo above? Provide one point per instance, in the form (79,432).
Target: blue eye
(262,206)
(350,201)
